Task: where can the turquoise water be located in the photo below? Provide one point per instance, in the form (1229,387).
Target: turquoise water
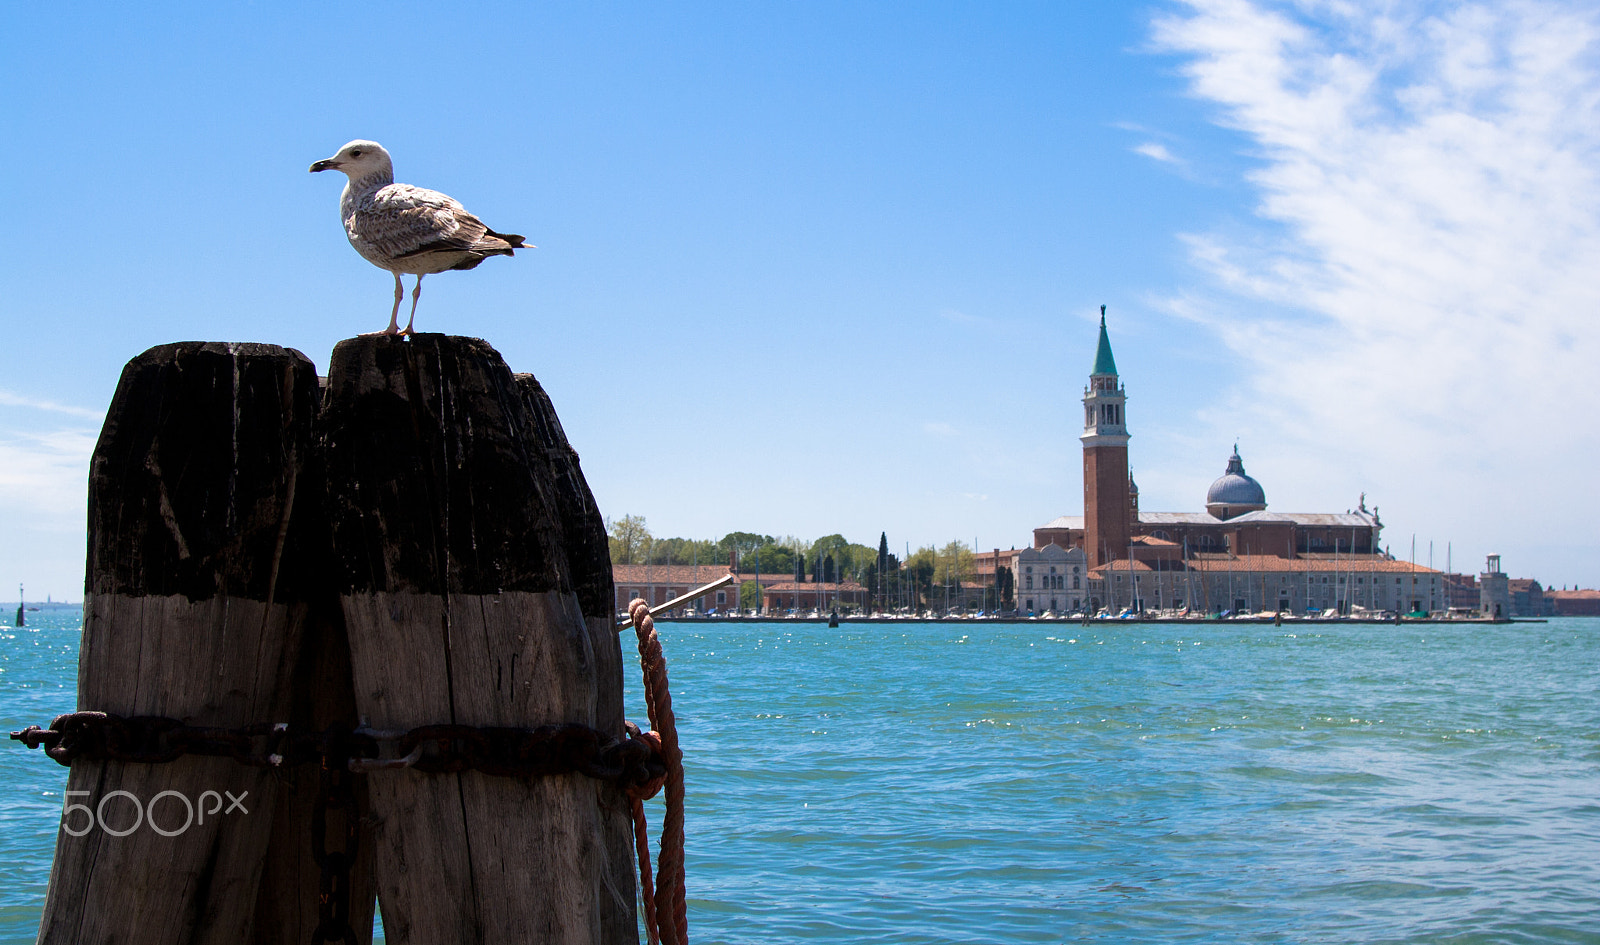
(967,782)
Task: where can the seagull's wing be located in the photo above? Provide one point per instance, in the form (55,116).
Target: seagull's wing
(401,220)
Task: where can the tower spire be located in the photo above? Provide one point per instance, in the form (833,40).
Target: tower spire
(1104,364)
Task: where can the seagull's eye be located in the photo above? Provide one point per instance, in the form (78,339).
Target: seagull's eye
(356,153)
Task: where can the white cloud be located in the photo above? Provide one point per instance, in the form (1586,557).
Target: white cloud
(938,428)
(9,399)
(1418,306)
(1157,152)
(44,477)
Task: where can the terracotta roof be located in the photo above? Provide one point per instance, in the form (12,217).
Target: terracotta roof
(687,574)
(1122,566)
(1272,564)
(1583,594)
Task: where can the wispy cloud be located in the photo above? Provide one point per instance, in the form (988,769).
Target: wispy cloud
(1158,152)
(1420,295)
(9,399)
(43,477)
(938,428)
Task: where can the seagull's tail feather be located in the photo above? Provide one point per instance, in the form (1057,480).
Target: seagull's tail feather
(513,241)
(491,244)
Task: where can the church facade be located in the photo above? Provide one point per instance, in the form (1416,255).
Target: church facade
(1237,555)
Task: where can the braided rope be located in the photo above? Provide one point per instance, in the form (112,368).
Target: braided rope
(666,916)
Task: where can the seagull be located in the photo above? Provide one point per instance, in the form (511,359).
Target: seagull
(407,229)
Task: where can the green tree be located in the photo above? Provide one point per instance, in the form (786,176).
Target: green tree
(954,565)
(834,545)
(629,539)
(686,551)
(918,573)
(742,543)
(749,595)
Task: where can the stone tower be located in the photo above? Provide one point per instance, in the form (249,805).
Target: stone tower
(1107,498)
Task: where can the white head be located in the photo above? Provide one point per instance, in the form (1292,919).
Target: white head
(359,160)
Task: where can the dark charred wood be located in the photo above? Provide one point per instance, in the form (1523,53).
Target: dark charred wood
(431,485)
(196,470)
(583,528)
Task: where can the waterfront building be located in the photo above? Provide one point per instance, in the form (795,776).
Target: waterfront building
(788,594)
(1461,591)
(1528,598)
(1236,555)
(1051,578)
(658,583)
(1574,603)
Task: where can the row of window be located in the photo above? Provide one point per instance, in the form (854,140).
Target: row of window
(1051,582)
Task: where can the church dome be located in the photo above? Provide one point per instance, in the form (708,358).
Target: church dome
(1235,492)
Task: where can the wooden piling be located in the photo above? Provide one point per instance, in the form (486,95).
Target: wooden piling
(471,599)
(588,554)
(192,609)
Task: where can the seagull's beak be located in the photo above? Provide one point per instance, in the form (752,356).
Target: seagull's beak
(329,165)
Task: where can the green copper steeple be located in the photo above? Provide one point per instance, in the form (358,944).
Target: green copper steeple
(1104,363)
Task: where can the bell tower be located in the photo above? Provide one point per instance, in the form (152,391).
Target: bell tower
(1107,502)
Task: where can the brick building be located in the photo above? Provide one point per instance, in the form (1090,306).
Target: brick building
(659,583)
(1574,603)
(787,594)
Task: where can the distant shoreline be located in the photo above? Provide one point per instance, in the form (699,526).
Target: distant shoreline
(1287,621)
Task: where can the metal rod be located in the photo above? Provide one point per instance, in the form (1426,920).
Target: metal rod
(698,592)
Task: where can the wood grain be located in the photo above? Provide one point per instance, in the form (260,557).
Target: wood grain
(193,609)
(462,606)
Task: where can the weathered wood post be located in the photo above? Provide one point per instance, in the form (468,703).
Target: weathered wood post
(583,537)
(192,610)
(469,601)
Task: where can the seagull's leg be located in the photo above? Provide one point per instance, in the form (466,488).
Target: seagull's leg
(394,315)
(415,294)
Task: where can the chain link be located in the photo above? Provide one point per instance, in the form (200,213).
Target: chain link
(635,763)
(334,793)
(632,762)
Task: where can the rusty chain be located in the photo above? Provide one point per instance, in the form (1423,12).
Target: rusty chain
(334,792)
(630,762)
(634,763)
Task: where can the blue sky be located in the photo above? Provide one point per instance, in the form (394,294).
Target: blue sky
(837,267)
